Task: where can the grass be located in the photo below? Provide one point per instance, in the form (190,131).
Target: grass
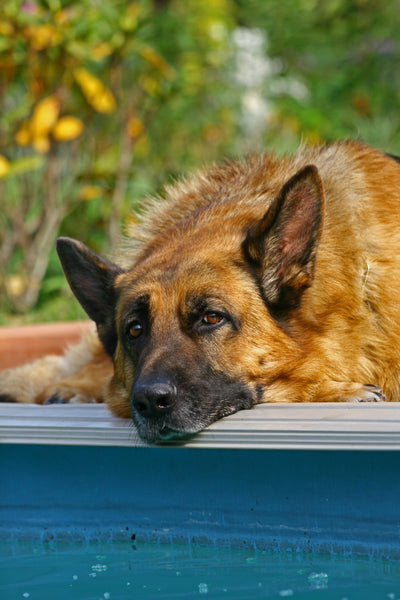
(62,307)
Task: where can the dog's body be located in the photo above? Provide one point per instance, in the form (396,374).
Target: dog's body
(262,281)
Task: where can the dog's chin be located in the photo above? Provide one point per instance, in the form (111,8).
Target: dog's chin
(181,426)
(154,434)
(171,435)
(153,431)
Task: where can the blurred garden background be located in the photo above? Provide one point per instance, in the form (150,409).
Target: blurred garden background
(104,101)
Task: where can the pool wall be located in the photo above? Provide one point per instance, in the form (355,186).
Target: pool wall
(294,500)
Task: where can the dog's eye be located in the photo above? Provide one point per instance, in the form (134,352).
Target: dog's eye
(135,329)
(212,318)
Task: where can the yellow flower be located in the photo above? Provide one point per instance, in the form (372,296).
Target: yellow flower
(95,92)
(4,166)
(67,128)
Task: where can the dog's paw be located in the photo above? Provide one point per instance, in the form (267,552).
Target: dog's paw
(369,393)
(54,399)
(348,391)
(7,398)
(24,383)
(63,394)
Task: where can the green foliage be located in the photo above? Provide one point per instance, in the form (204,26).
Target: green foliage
(347,53)
(98,104)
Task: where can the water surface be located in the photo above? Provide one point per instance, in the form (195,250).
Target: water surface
(144,571)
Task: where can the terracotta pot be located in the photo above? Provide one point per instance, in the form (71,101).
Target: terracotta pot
(19,345)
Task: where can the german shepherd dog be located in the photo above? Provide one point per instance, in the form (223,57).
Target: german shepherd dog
(267,280)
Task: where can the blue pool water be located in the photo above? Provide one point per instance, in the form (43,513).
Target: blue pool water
(144,571)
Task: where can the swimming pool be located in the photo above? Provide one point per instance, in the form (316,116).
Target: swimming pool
(304,484)
(126,570)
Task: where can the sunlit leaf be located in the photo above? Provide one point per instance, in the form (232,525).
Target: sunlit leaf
(135,127)
(95,92)
(128,22)
(67,128)
(23,165)
(6,28)
(44,117)
(101,51)
(104,102)
(149,84)
(62,16)
(4,166)
(42,36)
(23,135)
(90,192)
(41,144)
(157,61)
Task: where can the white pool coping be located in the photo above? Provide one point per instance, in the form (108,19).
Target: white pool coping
(316,426)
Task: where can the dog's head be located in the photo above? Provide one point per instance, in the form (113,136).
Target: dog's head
(193,325)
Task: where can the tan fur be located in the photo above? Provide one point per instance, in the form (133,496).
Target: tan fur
(87,380)
(80,375)
(344,334)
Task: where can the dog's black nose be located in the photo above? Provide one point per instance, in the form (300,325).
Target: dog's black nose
(153,397)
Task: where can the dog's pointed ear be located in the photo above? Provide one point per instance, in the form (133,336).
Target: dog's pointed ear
(283,245)
(91,278)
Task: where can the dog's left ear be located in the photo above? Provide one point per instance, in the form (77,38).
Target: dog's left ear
(283,245)
(91,278)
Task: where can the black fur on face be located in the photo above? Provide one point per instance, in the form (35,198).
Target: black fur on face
(198,399)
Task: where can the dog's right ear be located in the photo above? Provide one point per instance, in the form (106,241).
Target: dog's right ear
(91,278)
